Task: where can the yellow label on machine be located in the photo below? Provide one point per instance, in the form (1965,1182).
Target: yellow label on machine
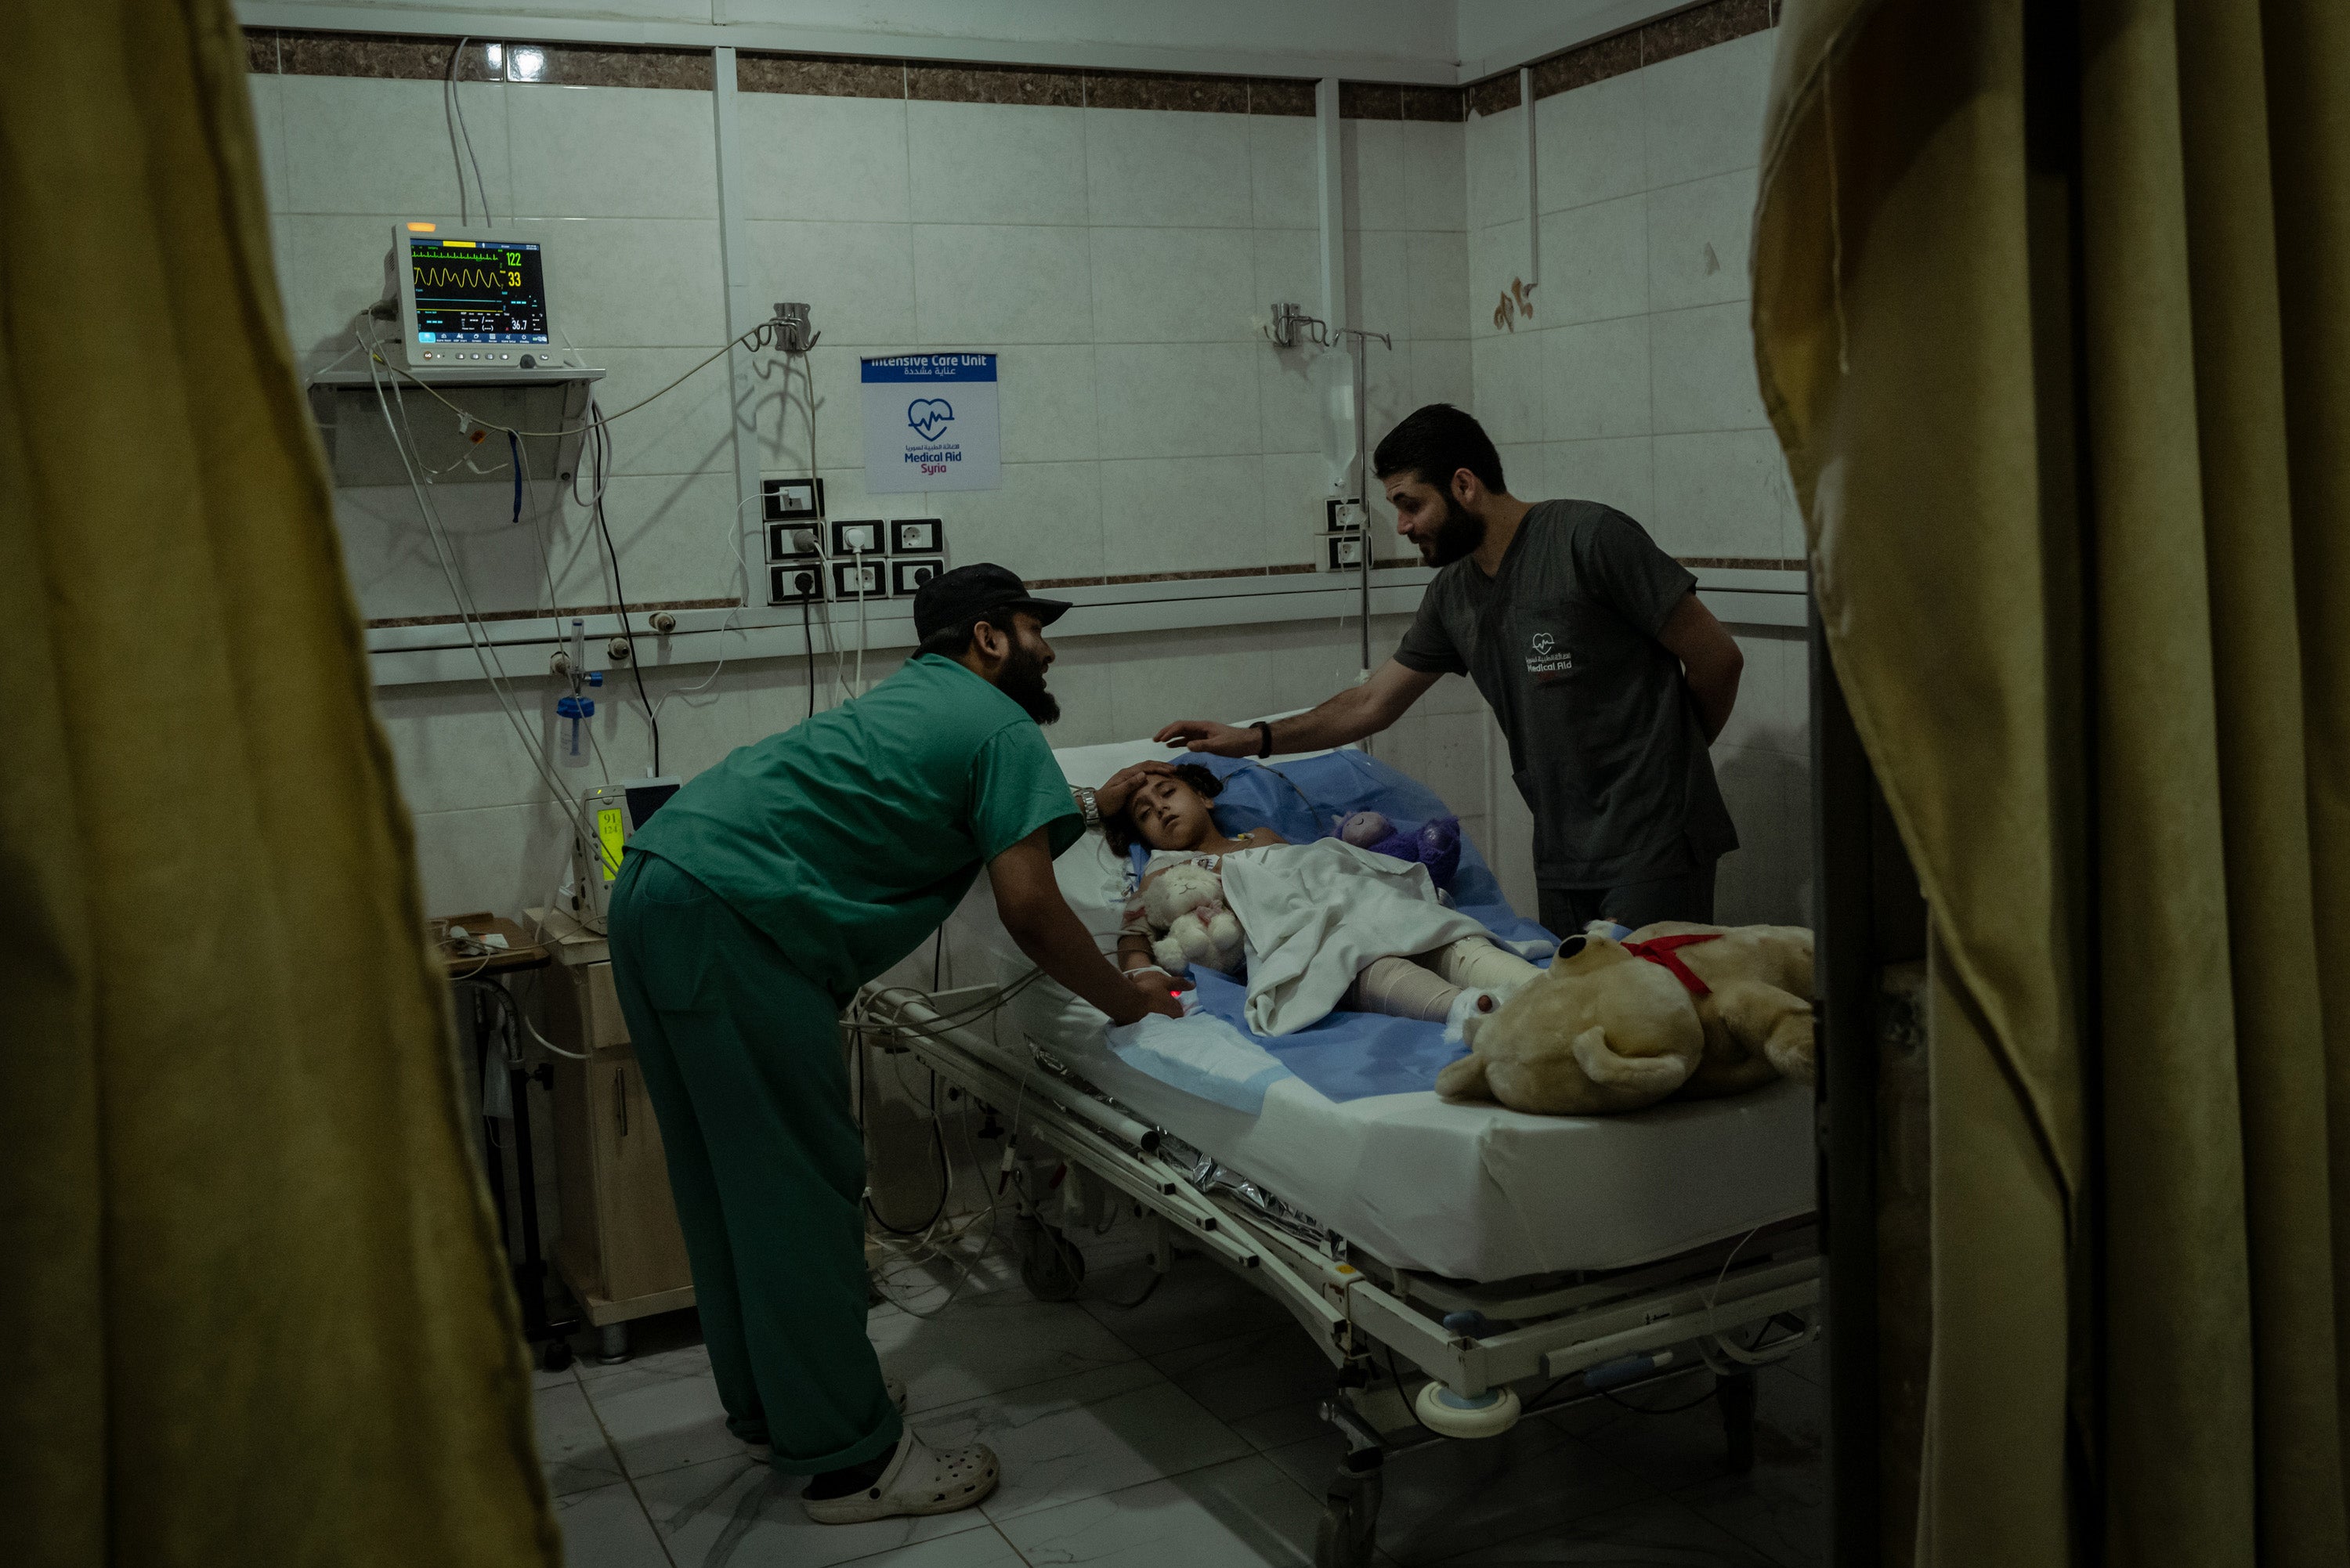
(610,834)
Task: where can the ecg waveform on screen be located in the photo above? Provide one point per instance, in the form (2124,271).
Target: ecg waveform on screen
(429,276)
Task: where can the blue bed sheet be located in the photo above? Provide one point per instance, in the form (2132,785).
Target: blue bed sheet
(1349,1056)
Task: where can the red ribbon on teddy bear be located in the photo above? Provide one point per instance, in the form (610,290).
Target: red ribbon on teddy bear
(1660,951)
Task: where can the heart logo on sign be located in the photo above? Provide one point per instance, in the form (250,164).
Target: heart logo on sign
(1542,643)
(929,416)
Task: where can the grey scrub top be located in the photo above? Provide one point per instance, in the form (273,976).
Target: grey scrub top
(1605,742)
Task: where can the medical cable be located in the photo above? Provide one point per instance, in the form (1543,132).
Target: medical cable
(1746,1356)
(762,336)
(964,1267)
(453,113)
(470,615)
(808,635)
(1409,1402)
(599,448)
(946,1178)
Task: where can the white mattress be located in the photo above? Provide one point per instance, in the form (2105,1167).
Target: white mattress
(1473,1191)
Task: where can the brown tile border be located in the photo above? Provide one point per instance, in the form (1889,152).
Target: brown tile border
(819,78)
(1440,104)
(1156,89)
(402,57)
(1616,57)
(1699,27)
(572,64)
(1281,96)
(383,55)
(995,84)
(1369,100)
(1744,563)
(1494,95)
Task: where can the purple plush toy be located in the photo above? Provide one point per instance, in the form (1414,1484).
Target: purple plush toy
(1436,845)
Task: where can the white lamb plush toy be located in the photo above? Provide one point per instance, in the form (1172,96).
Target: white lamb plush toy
(1187,902)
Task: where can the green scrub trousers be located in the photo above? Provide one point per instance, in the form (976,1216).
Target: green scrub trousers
(743,1060)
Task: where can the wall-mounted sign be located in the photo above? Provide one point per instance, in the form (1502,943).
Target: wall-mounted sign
(930,423)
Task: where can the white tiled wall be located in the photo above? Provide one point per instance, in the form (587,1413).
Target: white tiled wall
(1115,259)
(1119,260)
(1633,381)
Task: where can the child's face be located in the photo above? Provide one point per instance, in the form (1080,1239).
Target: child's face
(1169,814)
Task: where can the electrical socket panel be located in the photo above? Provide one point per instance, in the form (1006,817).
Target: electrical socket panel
(795,585)
(864,539)
(905,577)
(793,541)
(1346,551)
(915,537)
(1343,516)
(787,500)
(858,579)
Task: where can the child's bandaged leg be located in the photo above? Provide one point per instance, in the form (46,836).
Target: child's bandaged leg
(1476,963)
(1400,987)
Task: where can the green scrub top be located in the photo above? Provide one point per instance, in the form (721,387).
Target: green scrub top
(849,838)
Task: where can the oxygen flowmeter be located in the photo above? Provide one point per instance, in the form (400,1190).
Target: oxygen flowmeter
(575,711)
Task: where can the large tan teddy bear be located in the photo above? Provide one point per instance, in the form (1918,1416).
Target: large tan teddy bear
(1672,1007)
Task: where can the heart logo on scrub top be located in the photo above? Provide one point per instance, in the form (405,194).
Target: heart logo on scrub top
(929,416)
(1542,643)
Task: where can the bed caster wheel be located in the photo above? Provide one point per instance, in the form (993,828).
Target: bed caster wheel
(1736,1396)
(1486,1415)
(1050,1266)
(554,1355)
(1350,1512)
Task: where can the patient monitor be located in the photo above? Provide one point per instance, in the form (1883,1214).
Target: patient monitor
(613,815)
(470,302)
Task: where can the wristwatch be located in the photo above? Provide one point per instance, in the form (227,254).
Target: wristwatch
(1264,747)
(1087,804)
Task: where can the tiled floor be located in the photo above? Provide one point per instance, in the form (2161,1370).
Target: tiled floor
(1181,1432)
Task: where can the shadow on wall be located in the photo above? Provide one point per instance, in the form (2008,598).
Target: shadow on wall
(1767,881)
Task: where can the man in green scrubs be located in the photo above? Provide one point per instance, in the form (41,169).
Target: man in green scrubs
(747,913)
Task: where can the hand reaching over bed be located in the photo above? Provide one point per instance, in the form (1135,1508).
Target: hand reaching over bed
(1111,797)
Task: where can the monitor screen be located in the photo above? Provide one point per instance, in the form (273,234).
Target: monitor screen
(644,799)
(477,290)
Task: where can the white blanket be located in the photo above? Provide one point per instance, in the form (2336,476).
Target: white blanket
(1317,913)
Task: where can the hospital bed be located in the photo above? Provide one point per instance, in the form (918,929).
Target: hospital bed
(1516,1263)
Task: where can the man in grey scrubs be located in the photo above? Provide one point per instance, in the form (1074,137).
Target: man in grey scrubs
(1608,675)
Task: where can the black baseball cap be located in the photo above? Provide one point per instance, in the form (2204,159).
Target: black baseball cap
(969,592)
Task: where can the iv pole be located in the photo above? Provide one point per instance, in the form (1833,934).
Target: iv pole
(1289,326)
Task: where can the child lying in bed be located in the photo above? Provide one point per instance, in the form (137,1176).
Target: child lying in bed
(1326,925)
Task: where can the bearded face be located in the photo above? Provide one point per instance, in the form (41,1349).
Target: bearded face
(1458,535)
(1022,679)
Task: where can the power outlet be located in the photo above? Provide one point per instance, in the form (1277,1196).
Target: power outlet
(1342,517)
(787,500)
(790,585)
(915,536)
(1346,551)
(793,541)
(858,539)
(857,579)
(905,577)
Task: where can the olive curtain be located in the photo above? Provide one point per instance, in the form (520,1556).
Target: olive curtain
(2051,313)
(247,1270)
